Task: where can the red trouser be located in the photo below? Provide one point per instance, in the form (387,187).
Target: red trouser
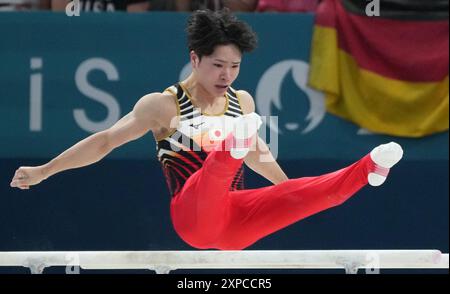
(207,215)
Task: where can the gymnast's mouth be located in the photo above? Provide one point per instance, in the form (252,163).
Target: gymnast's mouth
(222,87)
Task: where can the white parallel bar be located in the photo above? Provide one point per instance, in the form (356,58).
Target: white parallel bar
(165,261)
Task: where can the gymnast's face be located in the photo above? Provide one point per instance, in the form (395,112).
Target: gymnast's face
(217,71)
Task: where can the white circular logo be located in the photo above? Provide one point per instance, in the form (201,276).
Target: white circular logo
(268,93)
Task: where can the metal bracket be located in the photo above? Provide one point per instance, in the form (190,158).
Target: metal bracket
(36,267)
(351,267)
(162,270)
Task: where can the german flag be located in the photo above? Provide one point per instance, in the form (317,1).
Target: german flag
(387,73)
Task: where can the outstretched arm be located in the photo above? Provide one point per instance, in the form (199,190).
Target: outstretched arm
(134,125)
(260,159)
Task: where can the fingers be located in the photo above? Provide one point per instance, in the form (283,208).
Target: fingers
(20,180)
(18,175)
(19,184)
(22,187)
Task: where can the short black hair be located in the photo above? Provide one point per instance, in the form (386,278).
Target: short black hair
(207,29)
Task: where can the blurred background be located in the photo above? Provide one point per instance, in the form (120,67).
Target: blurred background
(343,76)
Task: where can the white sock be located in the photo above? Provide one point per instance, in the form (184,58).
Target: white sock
(384,156)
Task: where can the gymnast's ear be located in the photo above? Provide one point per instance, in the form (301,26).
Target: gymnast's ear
(195,59)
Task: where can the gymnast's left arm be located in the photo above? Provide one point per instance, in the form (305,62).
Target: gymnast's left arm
(261,161)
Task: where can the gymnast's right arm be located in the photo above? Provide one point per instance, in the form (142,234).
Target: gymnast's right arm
(143,118)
